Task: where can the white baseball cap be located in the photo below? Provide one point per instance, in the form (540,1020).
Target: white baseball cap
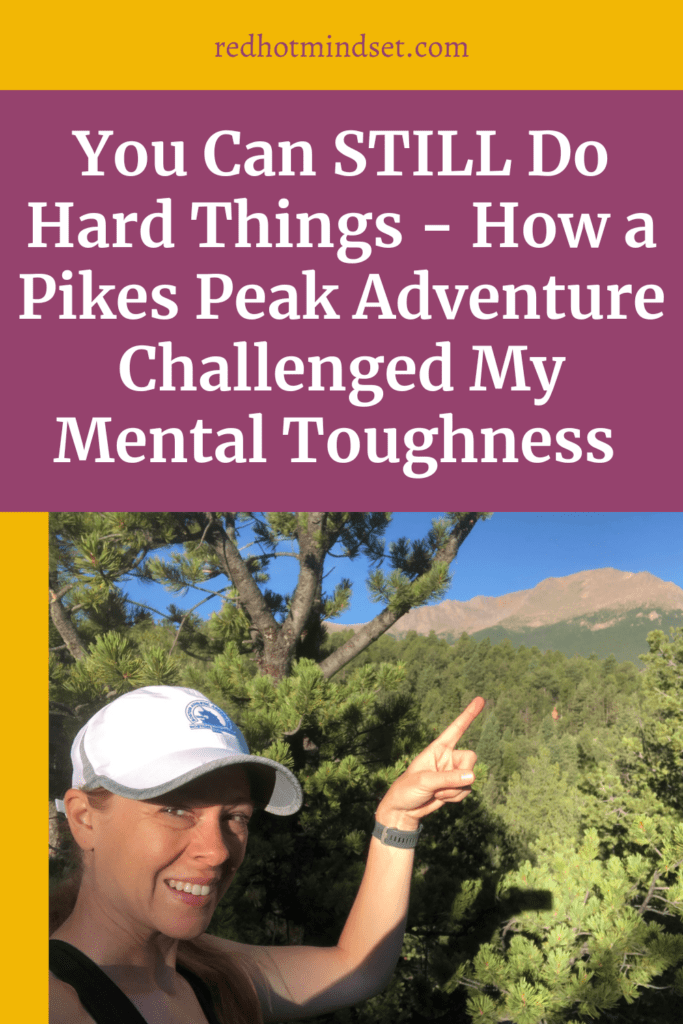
(155,739)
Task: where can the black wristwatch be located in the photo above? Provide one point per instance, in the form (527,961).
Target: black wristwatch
(396,837)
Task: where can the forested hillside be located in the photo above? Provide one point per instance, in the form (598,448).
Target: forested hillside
(624,638)
(577,708)
(553,895)
(597,611)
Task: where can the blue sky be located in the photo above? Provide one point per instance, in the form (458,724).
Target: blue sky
(511,551)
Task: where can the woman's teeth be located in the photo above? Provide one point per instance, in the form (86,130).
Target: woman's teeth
(195,890)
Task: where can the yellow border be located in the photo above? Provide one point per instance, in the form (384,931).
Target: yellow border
(169,45)
(23,768)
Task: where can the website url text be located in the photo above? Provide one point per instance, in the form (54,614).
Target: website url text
(257,46)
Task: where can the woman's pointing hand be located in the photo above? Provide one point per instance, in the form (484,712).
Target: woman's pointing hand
(438,775)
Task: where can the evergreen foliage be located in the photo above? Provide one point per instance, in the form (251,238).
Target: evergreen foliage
(93,554)
(588,634)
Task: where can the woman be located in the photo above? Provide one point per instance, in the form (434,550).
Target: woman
(163,789)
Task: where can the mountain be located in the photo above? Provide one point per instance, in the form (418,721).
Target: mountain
(598,611)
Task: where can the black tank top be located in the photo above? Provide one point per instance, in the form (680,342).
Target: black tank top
(104,1001)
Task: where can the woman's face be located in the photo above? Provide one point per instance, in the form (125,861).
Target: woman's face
(161,866)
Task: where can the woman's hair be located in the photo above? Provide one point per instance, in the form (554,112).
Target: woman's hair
(236,1002)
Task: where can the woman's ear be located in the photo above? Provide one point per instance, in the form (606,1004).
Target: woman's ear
(79,815)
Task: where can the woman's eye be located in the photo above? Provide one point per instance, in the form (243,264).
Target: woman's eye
(176,812)
(237,822)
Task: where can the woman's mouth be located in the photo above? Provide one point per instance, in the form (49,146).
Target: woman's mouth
(196,890)
(193,893)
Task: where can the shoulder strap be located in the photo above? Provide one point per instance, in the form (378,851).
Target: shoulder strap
(104,1001)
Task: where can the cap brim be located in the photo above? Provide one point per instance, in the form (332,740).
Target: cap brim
(273,787)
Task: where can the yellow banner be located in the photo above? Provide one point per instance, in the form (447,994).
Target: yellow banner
(497,45)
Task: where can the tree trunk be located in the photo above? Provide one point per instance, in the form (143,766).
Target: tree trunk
(65,627)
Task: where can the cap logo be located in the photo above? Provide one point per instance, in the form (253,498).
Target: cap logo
(202,714)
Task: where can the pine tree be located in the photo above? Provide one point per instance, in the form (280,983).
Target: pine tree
(584,940)
(94,553)
(598,930)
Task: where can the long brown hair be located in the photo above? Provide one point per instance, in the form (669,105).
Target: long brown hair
(236,1001)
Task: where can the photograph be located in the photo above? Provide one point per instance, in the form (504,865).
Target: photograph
(453,742)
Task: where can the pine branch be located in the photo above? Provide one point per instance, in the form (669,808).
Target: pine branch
(650,893)
(205,530)
(147,607)
(313,546)
(361,639)
(189,612)
(373,629)
(235,568)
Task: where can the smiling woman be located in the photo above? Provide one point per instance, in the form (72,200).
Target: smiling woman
(163,790)
(149,887)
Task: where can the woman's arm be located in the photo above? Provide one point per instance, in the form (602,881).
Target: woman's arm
(300,981)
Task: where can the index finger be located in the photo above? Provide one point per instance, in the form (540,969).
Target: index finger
(456,729)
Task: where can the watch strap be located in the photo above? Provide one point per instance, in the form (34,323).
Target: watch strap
(396,837)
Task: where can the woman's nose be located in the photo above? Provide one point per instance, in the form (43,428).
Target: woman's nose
(210,842)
